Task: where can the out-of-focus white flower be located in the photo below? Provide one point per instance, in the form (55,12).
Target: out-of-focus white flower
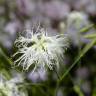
(75,22)
(77,18)
(40,50)
(9,88)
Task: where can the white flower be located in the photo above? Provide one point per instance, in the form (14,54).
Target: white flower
(10,88)
(77,21)
(40,50)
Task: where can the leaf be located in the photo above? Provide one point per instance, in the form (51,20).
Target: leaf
(87,28)
(90,36)
(82,53)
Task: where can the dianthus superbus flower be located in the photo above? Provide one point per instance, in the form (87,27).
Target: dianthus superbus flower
(40,50)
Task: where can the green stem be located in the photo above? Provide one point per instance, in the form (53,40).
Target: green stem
(83,52)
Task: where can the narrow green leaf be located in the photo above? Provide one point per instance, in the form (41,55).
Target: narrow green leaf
(90,36)
(86,29)
(82,53)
